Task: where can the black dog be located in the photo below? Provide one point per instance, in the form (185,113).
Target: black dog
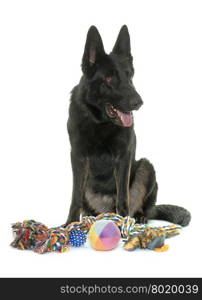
(106,176)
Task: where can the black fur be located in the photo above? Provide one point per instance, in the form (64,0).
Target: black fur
(106,175)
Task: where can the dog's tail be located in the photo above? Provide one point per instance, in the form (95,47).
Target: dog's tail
(171,213)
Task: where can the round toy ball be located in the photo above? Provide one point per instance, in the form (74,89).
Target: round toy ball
(77,238)
(104,235)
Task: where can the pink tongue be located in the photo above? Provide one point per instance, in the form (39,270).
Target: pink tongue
(126,119)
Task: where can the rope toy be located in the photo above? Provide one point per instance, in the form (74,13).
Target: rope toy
(36,236)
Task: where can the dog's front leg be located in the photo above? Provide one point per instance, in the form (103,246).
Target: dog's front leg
(80,173)
(122,176)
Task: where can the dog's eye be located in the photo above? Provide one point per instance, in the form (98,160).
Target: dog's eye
(108,79)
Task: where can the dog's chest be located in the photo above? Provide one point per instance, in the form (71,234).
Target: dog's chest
(101,174)
(100,191)
(99,202)
(103,163)
(104,146)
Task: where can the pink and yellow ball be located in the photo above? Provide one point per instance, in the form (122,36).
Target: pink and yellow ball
(104,235)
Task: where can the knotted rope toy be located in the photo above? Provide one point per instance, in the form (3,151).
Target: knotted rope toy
(36,236)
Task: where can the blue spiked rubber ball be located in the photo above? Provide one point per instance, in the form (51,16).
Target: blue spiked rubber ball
(77,238)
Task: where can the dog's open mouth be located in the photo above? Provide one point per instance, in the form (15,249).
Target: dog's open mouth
(122,118)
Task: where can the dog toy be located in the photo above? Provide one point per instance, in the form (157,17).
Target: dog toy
(152,238)
(38,237)
(77,238)
(104,235)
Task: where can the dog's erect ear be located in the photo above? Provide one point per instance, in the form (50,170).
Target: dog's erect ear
(93,51)
(122,45)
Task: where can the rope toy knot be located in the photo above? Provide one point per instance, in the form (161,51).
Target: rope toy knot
(127,227)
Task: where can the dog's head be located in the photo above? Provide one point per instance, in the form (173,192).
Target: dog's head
(111,95)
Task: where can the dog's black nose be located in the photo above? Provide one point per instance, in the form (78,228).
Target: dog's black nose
(136,101)
(138,105)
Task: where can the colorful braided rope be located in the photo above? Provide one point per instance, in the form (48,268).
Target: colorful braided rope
(36,236)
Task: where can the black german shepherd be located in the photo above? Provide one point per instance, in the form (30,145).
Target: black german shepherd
(106,175)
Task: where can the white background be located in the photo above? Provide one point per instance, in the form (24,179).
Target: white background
(40,54)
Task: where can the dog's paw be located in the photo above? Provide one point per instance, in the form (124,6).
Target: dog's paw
(140,219)
(122,212)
